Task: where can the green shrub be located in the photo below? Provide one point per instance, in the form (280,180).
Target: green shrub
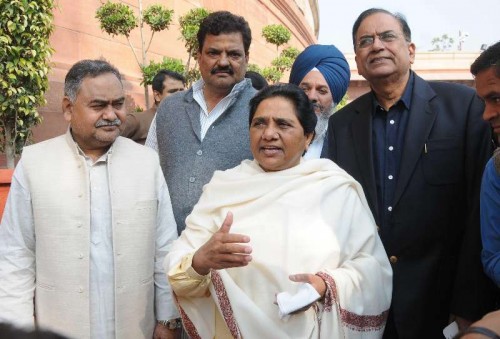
(25,28)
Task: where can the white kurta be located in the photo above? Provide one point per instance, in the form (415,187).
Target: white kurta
(312,218)
(81,275)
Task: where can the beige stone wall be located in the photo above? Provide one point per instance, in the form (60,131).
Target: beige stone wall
(77,36)
(432,66)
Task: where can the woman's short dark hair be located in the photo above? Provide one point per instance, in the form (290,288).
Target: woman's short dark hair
(224,22)
(304,110)
(365,14)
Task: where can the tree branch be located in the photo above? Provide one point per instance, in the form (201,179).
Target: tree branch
(133,50)
(150,41)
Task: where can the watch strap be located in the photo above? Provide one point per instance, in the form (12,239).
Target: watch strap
(171,324)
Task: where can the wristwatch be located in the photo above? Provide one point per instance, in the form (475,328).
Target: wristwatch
(171,324)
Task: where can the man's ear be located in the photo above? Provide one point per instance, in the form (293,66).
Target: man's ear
(156,96)
(67,108)
(411,51)
(357,64)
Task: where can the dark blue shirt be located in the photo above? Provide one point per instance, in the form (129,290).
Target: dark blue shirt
(490,220)
(388,131)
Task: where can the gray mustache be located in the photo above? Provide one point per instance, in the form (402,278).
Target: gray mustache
(316,105)
(103,123)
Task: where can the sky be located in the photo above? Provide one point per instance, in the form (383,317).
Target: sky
(479,19)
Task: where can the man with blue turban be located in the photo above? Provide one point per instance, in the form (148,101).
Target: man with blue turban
(323,73)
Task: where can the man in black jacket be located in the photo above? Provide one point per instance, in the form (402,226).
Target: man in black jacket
(418,149)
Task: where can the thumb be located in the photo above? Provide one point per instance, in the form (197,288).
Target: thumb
(301,277)
(226,225)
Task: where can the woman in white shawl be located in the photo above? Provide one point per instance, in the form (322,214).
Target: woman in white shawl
(279,247)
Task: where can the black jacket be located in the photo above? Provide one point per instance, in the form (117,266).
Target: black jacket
(433,237)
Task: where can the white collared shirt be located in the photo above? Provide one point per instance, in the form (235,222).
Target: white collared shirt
(206,118)
(314,150)
(102,273)
(17,231)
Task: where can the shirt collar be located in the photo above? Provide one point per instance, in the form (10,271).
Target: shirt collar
(102,158)
(77,149)
(237,88)
(405,98)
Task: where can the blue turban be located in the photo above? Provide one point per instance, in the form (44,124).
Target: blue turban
(330,62)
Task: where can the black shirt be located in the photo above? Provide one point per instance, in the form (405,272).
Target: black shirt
(388,131)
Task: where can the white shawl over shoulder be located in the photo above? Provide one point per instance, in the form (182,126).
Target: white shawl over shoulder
(312,218)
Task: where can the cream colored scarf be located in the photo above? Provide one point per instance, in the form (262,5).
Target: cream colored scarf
(312,218)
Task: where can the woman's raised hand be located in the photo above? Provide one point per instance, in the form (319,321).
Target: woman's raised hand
(223,250)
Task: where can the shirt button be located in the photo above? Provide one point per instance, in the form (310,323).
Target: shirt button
(200,152)
(391,148)
(392,122)
(389,208)
(192,179)
(393,259)
(80,256)
(390,177)
(80,289)
(79,225)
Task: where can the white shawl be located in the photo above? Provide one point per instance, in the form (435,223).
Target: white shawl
(312,218)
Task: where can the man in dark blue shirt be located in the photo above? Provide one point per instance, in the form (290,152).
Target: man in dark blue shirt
(388,133)
(418,149)
(486,70)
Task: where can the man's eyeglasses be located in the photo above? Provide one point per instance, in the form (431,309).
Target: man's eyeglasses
(385,37)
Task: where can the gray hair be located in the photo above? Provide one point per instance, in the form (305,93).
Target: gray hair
(365,14)
(83,69)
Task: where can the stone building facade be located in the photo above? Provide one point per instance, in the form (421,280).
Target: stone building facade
(77,35)
(432,66)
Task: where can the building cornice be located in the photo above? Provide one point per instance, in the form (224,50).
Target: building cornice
(296,19)
(446,66)
(315,13)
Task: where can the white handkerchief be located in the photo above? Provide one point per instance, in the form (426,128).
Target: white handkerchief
(451,330)
(288,303)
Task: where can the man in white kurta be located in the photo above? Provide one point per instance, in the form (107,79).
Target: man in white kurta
(87,224)
(311,218)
